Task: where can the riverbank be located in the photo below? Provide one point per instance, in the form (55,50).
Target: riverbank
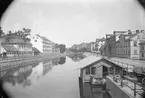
(8,64)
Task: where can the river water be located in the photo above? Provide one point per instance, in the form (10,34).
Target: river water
(57,78)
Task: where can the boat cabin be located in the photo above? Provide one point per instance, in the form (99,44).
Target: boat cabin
(98,70)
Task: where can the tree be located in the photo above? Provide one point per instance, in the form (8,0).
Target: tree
(1,32)
(26,31)
(62,48)
(10,32)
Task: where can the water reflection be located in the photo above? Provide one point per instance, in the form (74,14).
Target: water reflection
(18,76)
(62,60)
(77,56)
(25,75)
(87,92)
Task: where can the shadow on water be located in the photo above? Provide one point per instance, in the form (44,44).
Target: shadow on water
(76,56)
(87,92)
(62,60)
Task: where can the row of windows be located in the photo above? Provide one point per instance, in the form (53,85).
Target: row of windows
(119,45)
(23,52)
(122,52)
(46,46)
(46,50)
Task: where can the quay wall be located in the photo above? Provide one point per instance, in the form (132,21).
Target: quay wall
(8,64)
(115,90)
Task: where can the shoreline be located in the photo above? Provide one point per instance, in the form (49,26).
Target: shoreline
(5,65)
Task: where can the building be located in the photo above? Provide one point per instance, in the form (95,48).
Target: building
(142,50)
(99,43)
(98,69)
(90,47)
(35,51)
(43,44)
(128,45)
(15,45)
(110,47)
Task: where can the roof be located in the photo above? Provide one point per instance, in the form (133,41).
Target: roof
(35,49)
(100,60)
(43,38)
(9,48)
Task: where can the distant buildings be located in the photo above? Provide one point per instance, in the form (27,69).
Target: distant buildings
(83,47)
(43,44)
(15,45)
(126,44)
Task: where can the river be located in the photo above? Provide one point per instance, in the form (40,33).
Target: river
(57,78)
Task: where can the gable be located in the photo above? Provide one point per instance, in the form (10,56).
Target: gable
(101,64)
(101,61)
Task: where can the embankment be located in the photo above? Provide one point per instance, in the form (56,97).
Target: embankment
(8,64)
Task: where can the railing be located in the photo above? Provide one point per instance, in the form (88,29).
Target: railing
(135,84)
(126,66)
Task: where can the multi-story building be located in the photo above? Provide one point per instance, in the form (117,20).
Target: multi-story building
(142,50)
(43,44)
(128,44)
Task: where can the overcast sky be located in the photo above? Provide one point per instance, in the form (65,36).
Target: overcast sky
(74,21)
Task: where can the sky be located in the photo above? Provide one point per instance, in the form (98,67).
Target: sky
(73,21)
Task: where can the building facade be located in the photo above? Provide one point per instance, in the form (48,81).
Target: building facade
(42,44)
(128,44)
(14,45)
(142,50)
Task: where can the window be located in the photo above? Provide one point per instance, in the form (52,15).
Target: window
(135,52)
(93,69)
(87,70)
(142,47)
(135,43)
(142,55)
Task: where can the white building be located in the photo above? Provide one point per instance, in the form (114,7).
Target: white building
(99,43)
(43,44)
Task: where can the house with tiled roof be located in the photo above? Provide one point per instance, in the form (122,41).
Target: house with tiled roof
(15,45)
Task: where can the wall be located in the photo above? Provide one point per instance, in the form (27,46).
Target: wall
(114,90)
(37,44)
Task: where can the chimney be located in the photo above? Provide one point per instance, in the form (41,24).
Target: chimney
(137,31)
(129,32)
